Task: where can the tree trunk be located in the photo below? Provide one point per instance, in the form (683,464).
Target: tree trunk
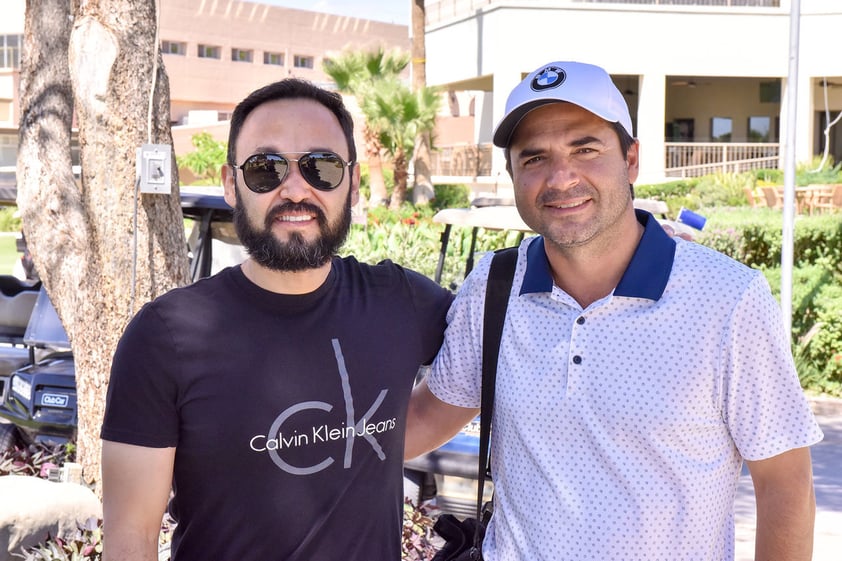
(378,196)
(422,191)
(399,192)
(83,235)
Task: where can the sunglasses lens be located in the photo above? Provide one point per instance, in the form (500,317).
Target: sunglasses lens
(322,170)
(264,172)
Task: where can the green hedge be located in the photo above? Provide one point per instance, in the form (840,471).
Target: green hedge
(9,219)
(729,189)
(754,236)
(816,323)
(414,242)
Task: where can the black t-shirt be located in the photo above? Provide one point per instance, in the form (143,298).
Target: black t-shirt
(287,411)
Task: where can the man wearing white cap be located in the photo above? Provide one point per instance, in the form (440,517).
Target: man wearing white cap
(637,372)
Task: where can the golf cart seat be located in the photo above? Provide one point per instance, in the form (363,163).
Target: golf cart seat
(17,298)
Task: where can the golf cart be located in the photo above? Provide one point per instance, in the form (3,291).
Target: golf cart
(39,393)
(448,474)
(37,373)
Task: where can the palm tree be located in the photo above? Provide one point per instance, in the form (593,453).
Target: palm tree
(423,189)
(358,73)
(401,116)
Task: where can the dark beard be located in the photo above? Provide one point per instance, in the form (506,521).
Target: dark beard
(295,254)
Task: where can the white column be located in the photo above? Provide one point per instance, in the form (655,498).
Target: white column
(651,127)
(504,82)
(483,117)
(804,120)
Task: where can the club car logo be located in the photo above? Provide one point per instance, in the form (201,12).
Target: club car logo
(54,400)
(549,77)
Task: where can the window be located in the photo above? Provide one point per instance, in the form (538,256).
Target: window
(242,55)
(770,92)
(208,51)
(10,51)
(273,58)
(8,149)
(173,48)
(721,129)
(760,129)
(681,130)
(302,61)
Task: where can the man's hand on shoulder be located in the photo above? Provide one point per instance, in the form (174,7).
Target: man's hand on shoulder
(672,233)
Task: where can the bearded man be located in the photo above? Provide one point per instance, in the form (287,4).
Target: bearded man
(272,396)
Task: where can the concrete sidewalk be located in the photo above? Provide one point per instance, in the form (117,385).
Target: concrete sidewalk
(827,474)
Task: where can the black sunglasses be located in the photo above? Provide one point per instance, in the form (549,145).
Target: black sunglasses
(265,172)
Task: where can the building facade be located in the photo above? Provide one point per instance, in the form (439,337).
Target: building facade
(215,53)
(706,80)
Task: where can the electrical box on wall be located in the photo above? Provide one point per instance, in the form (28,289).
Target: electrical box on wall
(154,168)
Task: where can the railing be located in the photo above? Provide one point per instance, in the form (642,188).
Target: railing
(441,10)
(694,159)
(462,160)
(683,159)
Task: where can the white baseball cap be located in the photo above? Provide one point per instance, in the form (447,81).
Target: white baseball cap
(588,86)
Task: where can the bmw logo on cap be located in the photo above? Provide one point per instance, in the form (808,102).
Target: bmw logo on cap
(550,77)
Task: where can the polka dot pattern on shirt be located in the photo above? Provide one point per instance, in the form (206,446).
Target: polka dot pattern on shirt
(620,429)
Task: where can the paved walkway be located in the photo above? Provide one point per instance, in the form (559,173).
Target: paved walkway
(827,475)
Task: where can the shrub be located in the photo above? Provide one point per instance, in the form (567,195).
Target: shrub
(451,196)
(413,241)
(9,221)
(85,545)
(417,544)
(723,189)
(810,174)
(728,189)
(816,323)
(36,459)
(676,194)
(365,180)
(206,161)
(754,236)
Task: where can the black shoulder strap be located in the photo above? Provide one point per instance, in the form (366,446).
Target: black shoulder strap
(496,300)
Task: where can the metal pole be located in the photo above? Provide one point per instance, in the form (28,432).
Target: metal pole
(789,168)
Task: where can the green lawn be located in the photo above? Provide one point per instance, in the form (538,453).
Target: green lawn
(8,253)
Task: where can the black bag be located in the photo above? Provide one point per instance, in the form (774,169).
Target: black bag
(463,539)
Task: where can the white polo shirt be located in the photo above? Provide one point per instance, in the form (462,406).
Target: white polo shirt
(620,429)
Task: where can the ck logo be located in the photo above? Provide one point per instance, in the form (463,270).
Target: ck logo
(276,442)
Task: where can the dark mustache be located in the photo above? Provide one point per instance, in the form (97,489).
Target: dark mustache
(295,207)
(555,197)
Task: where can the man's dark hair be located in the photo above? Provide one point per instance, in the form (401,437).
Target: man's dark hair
(626,139)
(291,88)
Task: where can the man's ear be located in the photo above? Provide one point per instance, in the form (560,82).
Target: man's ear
(229,185)
(633,161)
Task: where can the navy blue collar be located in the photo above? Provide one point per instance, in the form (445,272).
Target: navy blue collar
(645,277)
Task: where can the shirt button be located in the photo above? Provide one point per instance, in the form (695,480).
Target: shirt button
(580,320)
(577,359)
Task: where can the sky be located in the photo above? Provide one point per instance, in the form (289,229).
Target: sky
(390,11)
